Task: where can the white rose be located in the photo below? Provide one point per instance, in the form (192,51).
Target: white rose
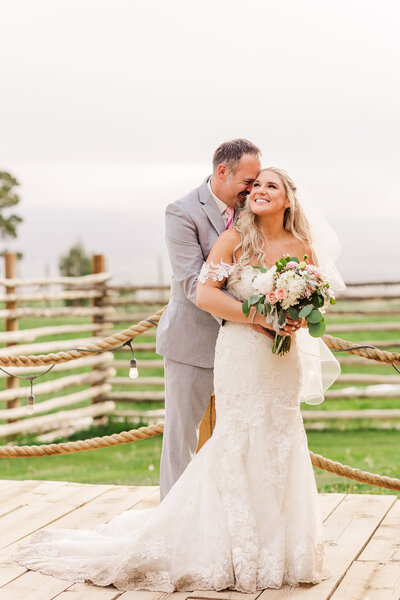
(264,282)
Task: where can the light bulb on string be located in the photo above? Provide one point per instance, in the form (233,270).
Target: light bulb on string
(133,372)
(30,406)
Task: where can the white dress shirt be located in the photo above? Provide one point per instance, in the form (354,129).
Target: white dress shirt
(221,205)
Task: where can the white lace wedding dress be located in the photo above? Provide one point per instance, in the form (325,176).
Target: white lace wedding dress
(244,515)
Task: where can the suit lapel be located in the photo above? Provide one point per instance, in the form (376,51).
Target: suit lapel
(210,208)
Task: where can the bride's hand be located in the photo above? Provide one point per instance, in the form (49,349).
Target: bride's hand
(291,326)
(268,332)
(296,325)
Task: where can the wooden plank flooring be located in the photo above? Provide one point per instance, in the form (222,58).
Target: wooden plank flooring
(362,543)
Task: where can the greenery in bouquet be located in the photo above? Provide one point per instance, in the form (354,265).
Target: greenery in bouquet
(290,287)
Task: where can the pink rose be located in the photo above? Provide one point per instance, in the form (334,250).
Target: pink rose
(280,294)
(272,299)
(292,264)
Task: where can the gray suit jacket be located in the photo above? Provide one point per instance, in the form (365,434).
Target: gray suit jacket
(186,333)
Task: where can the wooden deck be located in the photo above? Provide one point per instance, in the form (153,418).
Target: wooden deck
(362,535)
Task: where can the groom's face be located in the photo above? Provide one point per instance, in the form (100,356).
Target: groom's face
(238,182)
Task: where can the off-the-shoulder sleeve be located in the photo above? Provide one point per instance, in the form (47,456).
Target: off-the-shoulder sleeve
(216,272)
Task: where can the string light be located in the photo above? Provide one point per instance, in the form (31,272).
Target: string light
(133,371)
(30,407)
(364,346)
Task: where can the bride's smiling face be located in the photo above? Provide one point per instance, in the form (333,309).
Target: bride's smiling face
(268,196)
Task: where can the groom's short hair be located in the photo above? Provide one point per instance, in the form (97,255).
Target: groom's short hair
(230,153)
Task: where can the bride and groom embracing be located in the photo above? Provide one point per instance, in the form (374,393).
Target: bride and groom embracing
(243,513)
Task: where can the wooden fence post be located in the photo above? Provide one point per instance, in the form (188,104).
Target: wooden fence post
(99,266)
(10,260)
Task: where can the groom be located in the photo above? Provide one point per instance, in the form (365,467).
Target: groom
(186,334)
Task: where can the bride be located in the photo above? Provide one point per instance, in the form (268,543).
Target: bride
(244,515)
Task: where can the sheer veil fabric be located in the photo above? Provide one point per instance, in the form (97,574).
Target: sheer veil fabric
(320,368)
(325,241)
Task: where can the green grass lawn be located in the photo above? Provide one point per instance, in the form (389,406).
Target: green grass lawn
(127,464)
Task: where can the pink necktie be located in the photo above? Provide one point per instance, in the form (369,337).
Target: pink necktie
(229,212)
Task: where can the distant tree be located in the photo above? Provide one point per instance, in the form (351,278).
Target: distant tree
(8,198)
(76,262)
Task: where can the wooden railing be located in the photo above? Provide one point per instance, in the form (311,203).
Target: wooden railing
(101,385)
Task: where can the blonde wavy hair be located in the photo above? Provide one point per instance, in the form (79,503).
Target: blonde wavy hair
(252,238)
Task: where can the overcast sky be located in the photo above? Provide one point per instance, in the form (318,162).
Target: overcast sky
(120,104)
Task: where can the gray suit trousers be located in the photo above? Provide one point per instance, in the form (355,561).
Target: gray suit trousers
(187,393)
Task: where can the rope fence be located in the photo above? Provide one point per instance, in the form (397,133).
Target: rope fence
(114,341)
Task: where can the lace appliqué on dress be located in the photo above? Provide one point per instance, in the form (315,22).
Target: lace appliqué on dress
(217,272)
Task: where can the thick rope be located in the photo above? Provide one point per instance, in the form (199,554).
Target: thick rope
(108,343)
(95,443)
(147,432)
(372,353)
(333,466)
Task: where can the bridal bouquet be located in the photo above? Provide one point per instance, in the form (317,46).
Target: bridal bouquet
(294,287)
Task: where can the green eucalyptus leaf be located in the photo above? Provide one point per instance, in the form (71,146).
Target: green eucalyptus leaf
(294,259)
(317,300)
(293,312)
(254,299)
(306,310)
(314,317)
(246,308)
(281,318)
(317,329)
(267,308)
(260,307)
